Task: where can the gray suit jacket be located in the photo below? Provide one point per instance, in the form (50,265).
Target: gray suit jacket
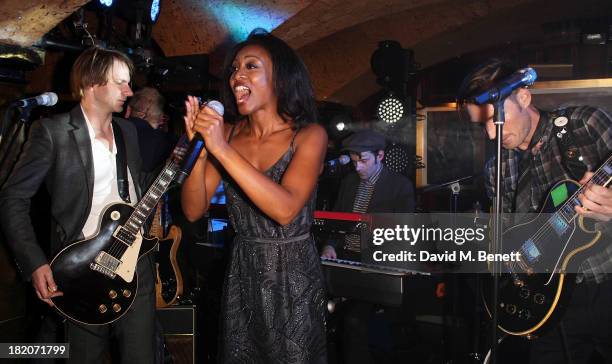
(58,154)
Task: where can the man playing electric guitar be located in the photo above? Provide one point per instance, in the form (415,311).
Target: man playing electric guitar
(87,159)
(540,149)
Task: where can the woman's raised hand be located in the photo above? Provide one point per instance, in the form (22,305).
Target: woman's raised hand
(192,107)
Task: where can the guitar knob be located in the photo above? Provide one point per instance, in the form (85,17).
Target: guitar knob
(127,293)
(539,298)
(524,293)
(116,307)
(518,282)
(525,314)
(102,308)
(112,294)
(511,309)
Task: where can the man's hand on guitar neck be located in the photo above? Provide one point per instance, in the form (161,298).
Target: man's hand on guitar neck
(596,200)
(44,285)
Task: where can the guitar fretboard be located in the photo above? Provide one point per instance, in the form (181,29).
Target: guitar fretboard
(146,205)
(561,220)
(601,177)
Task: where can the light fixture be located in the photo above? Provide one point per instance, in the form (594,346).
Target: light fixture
(106,3)
(154,13)
(390,109)
(340,126)
(397,157)
(388,63)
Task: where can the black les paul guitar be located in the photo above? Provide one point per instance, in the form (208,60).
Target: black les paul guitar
(98,275)
(534,290)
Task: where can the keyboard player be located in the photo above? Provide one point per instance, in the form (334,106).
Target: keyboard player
(370,188)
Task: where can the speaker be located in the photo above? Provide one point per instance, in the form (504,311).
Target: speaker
(179,328)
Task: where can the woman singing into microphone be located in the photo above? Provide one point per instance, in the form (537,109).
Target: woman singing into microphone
(269,159)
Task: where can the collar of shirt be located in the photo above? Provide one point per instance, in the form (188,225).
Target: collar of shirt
(92,133)
(373,178)
(542,131)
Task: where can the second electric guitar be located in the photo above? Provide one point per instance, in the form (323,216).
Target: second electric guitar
(534,290)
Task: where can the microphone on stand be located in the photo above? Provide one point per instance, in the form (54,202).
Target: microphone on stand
(520,78)
(195,146)
(333,167)
(46,99)
(341,160)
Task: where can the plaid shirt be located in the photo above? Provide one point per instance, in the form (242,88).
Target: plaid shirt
(528,175)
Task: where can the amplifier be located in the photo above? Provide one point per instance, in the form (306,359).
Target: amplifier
(179,326)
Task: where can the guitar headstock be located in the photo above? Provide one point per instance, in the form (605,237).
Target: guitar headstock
(180,149)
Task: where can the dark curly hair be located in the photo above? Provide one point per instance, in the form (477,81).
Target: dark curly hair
(292,84)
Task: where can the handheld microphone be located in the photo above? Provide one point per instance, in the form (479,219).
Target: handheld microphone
(46,99)
(341,160)
(522,77)
(195,146)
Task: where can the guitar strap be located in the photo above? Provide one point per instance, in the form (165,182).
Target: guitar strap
(570,154)
(571,160)
(123,185)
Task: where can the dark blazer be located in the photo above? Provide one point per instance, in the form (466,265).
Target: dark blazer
(58,154)
(393,193)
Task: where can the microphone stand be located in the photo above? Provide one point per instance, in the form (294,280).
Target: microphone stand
(499,119)
(23,119)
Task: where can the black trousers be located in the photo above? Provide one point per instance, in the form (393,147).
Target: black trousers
(134,333)
(588,328)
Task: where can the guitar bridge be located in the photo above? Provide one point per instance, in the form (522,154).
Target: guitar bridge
(106,264)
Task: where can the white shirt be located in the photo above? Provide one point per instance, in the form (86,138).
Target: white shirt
(105,190)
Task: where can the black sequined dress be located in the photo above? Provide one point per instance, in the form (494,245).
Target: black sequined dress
(273,306)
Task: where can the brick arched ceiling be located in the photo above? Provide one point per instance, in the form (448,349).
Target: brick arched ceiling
(195,26)
(324,18)
(436,35)
(335,37)
(23,22)
(345,55)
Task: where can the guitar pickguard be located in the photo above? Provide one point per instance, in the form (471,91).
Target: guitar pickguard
(129,259)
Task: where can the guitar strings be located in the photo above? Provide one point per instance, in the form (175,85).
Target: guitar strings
(118,247)
(547,228)
(598,178)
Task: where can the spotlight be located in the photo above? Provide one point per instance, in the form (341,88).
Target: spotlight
(154,13)
(106,3)
(340,126)
(397,158)
(390,109)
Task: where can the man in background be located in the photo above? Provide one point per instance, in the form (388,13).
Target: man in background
(371,188)
(146,110)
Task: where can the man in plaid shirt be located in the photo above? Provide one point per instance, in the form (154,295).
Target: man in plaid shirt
(536,155)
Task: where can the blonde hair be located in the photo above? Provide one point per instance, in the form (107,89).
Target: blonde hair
(92,68)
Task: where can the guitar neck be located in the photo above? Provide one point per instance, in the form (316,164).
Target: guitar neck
(145,206)
(602,177)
